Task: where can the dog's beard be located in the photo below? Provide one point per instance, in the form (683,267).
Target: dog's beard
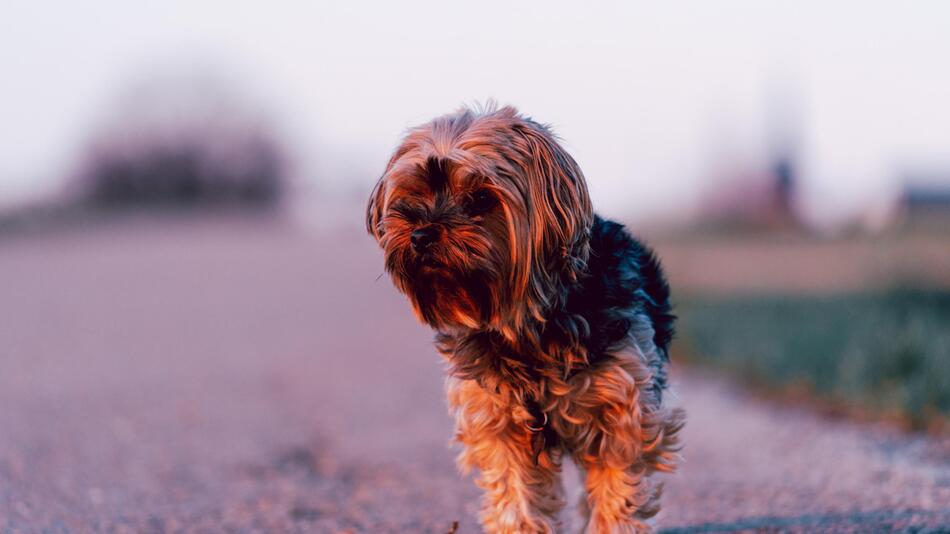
(446,299)
(457,284)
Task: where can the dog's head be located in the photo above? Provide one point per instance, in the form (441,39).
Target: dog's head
(483,218)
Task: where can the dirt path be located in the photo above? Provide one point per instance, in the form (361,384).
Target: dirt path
(252,377)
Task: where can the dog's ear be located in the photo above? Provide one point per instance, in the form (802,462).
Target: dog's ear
(374,210)
(376,207)
(560,206)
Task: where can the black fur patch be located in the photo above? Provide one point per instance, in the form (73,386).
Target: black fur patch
(623,278)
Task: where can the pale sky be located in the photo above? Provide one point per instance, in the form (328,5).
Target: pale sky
(648,96)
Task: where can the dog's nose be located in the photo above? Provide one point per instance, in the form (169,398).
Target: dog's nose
(423,237)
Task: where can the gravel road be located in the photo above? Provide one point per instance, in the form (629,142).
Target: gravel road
(248,376)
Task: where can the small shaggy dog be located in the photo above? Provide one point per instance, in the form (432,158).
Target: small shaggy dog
(554,322)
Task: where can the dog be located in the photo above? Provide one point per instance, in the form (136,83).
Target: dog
(554,323)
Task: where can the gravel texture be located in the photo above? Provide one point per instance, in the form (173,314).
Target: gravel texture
(246,376)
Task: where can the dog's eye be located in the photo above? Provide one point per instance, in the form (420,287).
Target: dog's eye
(480,202)
(407,211)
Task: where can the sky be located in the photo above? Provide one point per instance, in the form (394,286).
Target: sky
(653,99)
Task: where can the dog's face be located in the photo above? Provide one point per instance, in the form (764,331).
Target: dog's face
(483,218)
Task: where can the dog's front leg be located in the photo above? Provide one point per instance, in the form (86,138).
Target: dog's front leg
(522,489)
(615,442)
(619,500)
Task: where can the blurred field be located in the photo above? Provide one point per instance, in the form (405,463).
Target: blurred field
(859,324)
(795,263)
(884,353)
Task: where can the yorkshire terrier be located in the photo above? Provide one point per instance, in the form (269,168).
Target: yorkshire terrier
(555,323)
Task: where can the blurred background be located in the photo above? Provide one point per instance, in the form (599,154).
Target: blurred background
(193,327)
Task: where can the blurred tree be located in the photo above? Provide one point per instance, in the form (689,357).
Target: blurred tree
(183,141)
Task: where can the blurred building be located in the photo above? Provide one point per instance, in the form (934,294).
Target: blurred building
(755,173)
(924,202)
(754,199)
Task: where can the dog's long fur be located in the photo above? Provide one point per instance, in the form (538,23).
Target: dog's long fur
(554,322)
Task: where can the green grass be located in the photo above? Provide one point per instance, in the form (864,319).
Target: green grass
(885,353)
